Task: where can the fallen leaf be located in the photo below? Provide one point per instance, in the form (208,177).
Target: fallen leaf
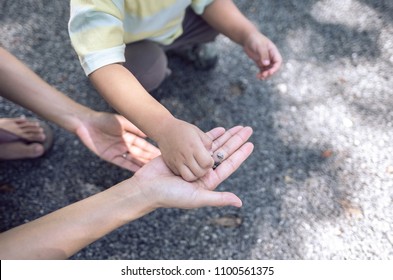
(352,211)
(327,153)
(227,221)
(6,188)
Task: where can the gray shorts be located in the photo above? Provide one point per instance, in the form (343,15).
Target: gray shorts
(147,60)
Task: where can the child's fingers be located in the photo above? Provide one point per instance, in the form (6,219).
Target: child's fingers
(197,169)
(270,70)
(264,59)
(267,72)
(206,140)
(203,159)
(186,173)
(269,60)
(274,69)
(276,59)
(264,74)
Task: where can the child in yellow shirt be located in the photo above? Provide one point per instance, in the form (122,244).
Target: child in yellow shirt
(121,45)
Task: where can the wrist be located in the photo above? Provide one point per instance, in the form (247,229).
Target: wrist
(134,200)
(75,120)
(164,127)
(249,36)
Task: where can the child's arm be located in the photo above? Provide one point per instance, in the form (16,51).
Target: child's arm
(97,34)
(239,29)
(184,147)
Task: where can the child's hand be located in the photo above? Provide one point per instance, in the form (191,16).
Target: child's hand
(264,53)
(186,150)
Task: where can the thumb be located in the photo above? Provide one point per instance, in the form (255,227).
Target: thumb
(218,199)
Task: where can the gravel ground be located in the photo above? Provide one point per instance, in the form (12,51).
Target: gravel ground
(319,184)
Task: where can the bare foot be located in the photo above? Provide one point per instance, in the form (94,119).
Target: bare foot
(12,133)
(21,128)
(20,150)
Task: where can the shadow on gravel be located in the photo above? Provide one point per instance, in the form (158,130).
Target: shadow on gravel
(383,7)
(280,181)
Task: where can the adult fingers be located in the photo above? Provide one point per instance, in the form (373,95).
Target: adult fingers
(140,155)
(130,127)
(123,162)
(232,144)
(133,141)
(215,133)
(232,163)
(219,141)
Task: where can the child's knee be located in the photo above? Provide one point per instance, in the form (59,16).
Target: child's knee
(147,62)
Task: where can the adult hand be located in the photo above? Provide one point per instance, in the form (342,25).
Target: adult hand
(164,189)
(264,53)
(116,140)
(64,232)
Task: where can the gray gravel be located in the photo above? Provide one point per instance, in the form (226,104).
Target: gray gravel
(319,184)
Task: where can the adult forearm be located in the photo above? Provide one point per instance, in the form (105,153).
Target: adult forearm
(124,93)
(64,232)
(230,22)
(21,85)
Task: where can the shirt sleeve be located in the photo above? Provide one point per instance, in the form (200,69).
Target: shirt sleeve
(199,5)
(96,32)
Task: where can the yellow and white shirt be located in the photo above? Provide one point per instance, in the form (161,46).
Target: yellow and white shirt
(100,29)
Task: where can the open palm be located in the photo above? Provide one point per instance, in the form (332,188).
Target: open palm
(111,136)
(168,190)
